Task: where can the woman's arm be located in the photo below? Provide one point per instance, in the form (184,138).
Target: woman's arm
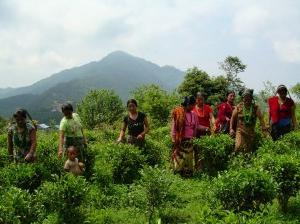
(10,145)
(33,141)
(61,143)
(84,138)
(122,133)
(260,116)
(212,120)
(233,121)
(32,150)
(146,129)
(173,130)
(294,119)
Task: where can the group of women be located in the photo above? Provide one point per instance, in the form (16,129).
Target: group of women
(192,119)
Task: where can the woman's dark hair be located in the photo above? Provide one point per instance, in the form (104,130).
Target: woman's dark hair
(201,95)
(132,101)
(67,107)
(188,101)
(229,92)
(20,112)
(281,87)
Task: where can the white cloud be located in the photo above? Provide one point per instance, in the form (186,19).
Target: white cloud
(288,50)
(251,20)
(39,38)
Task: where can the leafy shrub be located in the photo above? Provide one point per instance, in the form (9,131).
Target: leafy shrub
(22,175)
(3,140)
(292,138)
(64,197)
(98,107)
(214,151)
(123,160)
(16,206)
(4,158)
(152,192)
(285,169)
(156,103)
(116,216)
(156,153)
(245,189)
(277,147)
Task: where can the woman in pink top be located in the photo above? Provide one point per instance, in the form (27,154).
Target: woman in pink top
(184,128)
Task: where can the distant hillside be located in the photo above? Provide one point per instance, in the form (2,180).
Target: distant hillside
(118,71)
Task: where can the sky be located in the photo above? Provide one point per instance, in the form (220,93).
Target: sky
(39,37)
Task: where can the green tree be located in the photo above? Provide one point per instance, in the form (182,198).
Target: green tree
(263,95)
(296,90)
(100,107)
(155,102)
(232,66)
(197,80)
(3,124)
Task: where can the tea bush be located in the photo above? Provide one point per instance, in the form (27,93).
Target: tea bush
(285,170)
(122,160)
(214,152)
(16,206)
(65,197)
(244,189)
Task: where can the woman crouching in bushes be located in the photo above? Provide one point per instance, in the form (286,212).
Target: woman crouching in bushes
(137,124)
(184,128)
(22,138)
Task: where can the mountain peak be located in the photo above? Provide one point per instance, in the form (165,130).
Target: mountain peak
(118,53)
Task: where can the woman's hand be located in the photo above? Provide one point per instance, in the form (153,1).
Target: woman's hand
(29,157)
(140,137)
(232,132)
(119,140)
(60,152)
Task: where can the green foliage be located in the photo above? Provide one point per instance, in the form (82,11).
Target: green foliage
(16,206)
(155,102)
(214,152)
(124,189)
(116,216)
(3,124)
(285,170)
(152,192)
(99,107)
(296,90)
(197,80)
(122,161)
(232,66)
(65,196)
(244,189)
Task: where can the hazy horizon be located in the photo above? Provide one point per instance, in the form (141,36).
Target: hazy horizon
(42,38)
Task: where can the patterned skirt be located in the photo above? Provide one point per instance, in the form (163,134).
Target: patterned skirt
(183,158)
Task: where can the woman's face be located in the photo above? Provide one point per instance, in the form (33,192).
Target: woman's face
(200,100)
(282,93)
(190,107)
(231,97)
(247,99)
(132,108)
(68,114)
(21,121)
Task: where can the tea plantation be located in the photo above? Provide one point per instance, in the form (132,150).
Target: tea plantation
(126,185)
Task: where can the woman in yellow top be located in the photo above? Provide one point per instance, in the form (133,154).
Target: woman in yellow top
(244,119)
(71,132)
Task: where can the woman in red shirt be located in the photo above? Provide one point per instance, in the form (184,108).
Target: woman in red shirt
(224,113)
(281,113)
(205,116)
